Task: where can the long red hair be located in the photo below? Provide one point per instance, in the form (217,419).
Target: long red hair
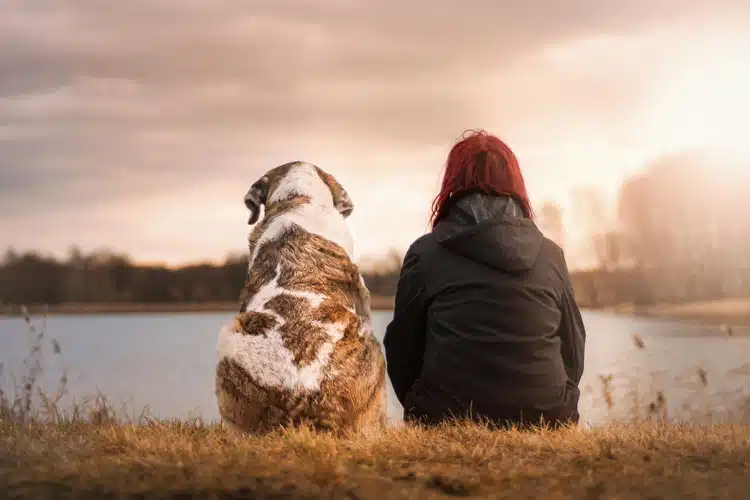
(481,162)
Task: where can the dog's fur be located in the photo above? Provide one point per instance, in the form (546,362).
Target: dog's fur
(301,351)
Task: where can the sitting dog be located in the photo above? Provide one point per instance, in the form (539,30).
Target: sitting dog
(301,350)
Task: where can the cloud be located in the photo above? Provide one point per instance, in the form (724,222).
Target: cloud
(105,103)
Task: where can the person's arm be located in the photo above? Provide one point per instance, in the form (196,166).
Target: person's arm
(572,331)
(405,336)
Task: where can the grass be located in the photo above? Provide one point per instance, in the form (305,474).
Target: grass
(93,451)
(177,459)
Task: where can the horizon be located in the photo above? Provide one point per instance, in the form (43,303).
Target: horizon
(138,127)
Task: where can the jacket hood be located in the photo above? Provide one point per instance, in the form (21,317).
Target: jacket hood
(491,230)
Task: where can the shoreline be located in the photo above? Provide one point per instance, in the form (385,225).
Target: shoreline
(732,312)
(7,310)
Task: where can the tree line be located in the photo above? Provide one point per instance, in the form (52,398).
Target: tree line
(104,276)
(681,233)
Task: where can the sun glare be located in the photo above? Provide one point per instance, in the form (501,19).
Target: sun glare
(706,105)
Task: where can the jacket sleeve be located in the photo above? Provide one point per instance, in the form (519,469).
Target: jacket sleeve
(572,331)
(405,335)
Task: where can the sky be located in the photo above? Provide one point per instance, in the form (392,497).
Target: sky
(138,126)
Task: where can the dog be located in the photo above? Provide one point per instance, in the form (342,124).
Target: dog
(301,351)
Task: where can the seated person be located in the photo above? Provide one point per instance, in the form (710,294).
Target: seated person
(486,324)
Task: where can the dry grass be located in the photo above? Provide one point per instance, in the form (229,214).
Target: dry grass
(188,460)
(91,451)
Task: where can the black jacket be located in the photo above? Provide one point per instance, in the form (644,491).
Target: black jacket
(485,321)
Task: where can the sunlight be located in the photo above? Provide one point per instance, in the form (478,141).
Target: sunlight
(705,105)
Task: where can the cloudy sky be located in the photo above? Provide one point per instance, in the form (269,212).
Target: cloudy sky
(139,125)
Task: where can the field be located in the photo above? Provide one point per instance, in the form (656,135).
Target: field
(191,460)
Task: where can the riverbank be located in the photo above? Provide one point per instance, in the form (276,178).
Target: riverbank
(189,460)
(735,311)
(724,311)
(378,304)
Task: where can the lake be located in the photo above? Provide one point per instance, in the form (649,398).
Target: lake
(166,362)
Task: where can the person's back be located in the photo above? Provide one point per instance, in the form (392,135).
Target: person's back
(485,321)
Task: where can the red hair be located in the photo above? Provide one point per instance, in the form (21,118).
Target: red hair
(480,162)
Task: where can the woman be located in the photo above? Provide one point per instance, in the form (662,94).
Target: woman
(485,324)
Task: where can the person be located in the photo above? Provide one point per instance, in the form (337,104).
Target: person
(485,324)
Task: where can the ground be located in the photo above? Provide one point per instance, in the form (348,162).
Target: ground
(191,460)
(730,312)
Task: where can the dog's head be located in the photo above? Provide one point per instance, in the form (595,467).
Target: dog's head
(296,180)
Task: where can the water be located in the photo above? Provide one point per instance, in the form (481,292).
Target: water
(166,362)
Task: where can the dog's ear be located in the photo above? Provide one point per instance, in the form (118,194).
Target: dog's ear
(256,197)
(342,202)
(341,199)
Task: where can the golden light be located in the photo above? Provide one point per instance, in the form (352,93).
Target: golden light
(705,105)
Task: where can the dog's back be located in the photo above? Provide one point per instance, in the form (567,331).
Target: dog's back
(301,351)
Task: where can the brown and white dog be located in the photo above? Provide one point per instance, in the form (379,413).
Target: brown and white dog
(301,351)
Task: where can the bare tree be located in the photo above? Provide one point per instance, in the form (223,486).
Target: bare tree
(550,222)
(684,227)
(591,218)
